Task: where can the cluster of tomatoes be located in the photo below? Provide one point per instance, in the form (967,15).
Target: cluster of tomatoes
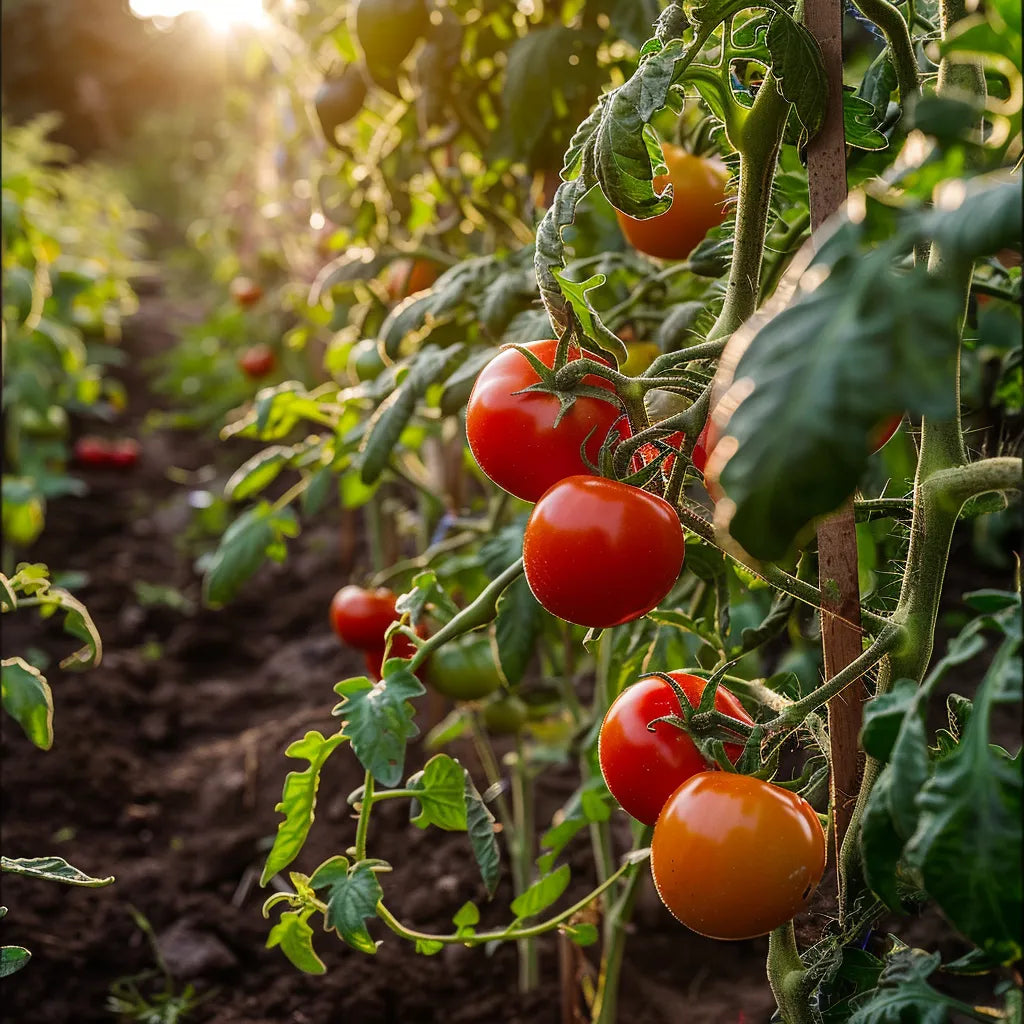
(100,453)
(596,552)
(732,856)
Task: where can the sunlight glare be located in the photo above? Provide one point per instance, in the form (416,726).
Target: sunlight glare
(221,15)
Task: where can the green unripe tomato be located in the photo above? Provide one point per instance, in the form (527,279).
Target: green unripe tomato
(465,669)
(339,99)
(505,715)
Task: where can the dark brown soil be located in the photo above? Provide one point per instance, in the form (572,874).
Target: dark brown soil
(168,762)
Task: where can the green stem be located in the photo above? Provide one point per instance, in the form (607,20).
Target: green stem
(480,938)
(897,35)
(787,976)
(522,860)
(363,824)
(473,616)
(794,232)
(606,998)
(887,641)
(759,141)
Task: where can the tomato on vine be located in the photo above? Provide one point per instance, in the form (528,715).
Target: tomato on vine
(464,669)
(361,617)
(643,766)
(734,857)
(599,553)
(513,435)
(698,204)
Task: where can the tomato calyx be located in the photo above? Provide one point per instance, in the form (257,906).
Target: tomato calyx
(708,728)
(565,379)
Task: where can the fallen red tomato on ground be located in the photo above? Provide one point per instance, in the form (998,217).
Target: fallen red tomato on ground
(643,767)
(599,553)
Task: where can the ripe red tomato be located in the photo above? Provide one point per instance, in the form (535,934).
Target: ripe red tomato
(641,768)
(91,451)
(702,447)
(513,436)
(361,617)
(257,361)
(245,291)
(123,454)
(406,277)
(698,198)
(734,857)
(599,553)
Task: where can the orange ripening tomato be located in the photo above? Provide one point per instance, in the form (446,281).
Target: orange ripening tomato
(698,204)
(734,857)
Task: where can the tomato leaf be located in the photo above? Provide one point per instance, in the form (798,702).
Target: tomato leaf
(298,800)
(52,869)
(13,958)
(378,719)
(797,64)
(860,123)
(256,535)
(903,992)
(542,893)
(295,937)
(28,700)
(883,717)
(582,934)
(967,845)
(387,423)
(441,794)
(480,824)
(354,895)
(881,845)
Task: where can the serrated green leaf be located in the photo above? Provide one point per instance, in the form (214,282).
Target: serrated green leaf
(799,68)
(967,845)
(904,994)
(295,937)
(28,700)
(542,893)
(298,800)
(52,869)
(378,719)
(480,825)
(354,895)
(441,794)
(13,958)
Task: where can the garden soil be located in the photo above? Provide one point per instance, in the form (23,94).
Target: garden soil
(167,764)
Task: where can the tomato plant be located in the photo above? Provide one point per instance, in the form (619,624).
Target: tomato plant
(524,441)
(734,857)
(599,553)
(644,764)
(698,204)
